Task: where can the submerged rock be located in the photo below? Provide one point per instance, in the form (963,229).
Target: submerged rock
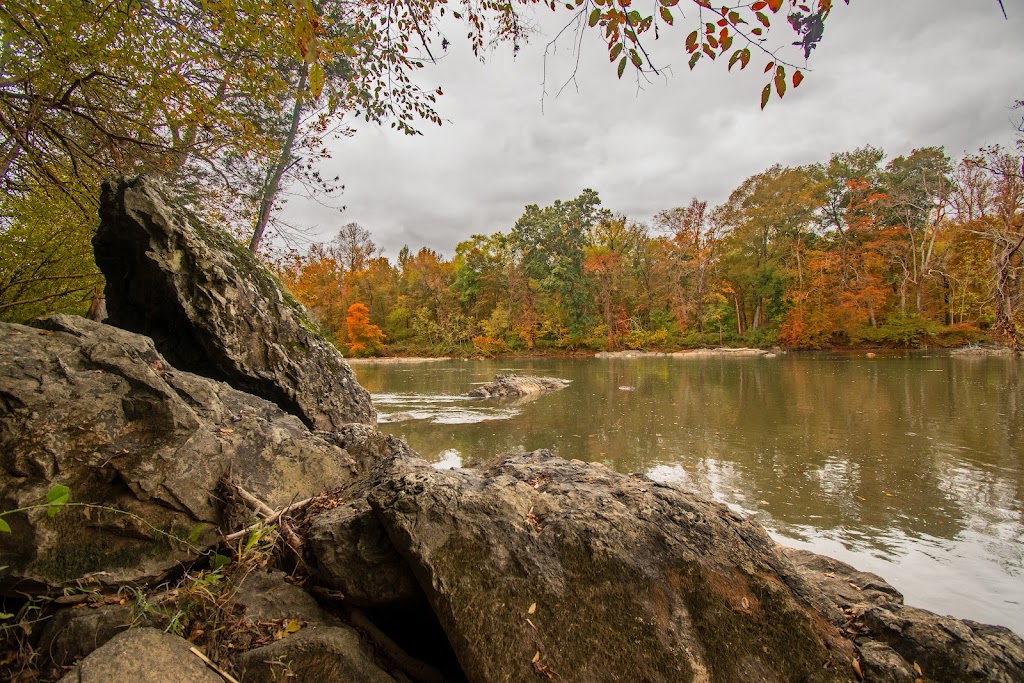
(516,386)
(142,447)
(213,309)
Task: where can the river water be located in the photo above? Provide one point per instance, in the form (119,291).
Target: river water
(910,466)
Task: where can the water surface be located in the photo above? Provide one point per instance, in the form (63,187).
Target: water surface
(907,466)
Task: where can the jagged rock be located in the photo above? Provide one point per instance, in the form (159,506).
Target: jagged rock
(354,556)
(514,386)
(881,664)
(213,309)
(893,637)
(143,655)
(74,633)
(266,596)
(313,654)
(842,584)
(947,650)
(534,565)
(143,445)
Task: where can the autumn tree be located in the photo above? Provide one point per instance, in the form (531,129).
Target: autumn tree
(1000,221)
(364,338)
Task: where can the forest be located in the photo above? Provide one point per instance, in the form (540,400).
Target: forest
(235,104)
(858,250)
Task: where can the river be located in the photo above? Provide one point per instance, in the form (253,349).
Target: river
(909,465)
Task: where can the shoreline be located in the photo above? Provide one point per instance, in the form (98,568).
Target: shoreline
(969,350)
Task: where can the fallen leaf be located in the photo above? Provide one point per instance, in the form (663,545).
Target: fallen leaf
(856,670)
(536,657)
(745,603)
(917,668)
(533,608)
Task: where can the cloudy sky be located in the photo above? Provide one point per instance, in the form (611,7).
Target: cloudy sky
(897,74)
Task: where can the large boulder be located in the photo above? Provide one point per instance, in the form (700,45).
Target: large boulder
(213,309)
(143,448)
(537,566)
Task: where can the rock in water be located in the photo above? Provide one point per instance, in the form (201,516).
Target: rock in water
(97,409)
(514,386)
(536,566)
(213,309)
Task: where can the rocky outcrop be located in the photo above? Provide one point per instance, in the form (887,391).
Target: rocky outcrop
(902,643)
(516,386)
(142,447)
(143,655)
(535,565)
(213,309)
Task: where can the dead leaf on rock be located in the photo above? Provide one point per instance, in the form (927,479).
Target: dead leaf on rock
(917,668)
(542,670)
(856,670)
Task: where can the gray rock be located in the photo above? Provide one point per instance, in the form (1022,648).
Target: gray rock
(354,556)
(881,664)
(143,655)
(213,309)
(893,637)
(313,654)
(73,633)
(844,585)
(536,565)
(947,650)
(515,386)
(266,596)
(142,447)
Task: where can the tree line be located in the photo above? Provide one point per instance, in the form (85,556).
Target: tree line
(859,249)
(234,104)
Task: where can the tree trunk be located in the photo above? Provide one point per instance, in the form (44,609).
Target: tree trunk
(273,185)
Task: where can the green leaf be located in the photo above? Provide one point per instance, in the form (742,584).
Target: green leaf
(4,526)
(765,94)
(594,17)
(615,52)
(218,561)
(316,79)
(635,58)
(666,15)
(694,59)
(58,495)
(622,66)
(195,532)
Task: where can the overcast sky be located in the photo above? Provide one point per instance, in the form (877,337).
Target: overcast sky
(897,74)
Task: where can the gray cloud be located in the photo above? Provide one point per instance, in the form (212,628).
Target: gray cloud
(898,75)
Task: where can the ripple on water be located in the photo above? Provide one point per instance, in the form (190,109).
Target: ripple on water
(436,409)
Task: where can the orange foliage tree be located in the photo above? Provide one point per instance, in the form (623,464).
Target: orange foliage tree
(364,338)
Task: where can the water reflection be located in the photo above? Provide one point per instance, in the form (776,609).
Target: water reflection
(911,462)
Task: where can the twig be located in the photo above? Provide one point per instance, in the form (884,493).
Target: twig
(270,518)
(210,663)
